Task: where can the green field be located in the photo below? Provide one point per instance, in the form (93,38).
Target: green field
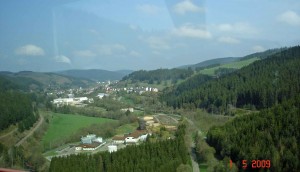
(235,65)
(61,126)
(127,128)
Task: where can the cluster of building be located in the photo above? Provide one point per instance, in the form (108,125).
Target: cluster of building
(90,143)
(73,101)
(140,90)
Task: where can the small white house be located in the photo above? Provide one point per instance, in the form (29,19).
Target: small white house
(127,109)
(131,140)
(101,95)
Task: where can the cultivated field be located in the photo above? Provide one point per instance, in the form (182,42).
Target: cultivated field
(64,125)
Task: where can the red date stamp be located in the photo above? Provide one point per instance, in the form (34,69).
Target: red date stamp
(257,164)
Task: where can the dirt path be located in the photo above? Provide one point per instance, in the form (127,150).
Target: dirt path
(195,164)
(31,131)
(9,133)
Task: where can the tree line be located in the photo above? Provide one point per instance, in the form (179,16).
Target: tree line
(260,85)
(167,155)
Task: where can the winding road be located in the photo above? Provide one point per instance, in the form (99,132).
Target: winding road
(41,119)
(9,133)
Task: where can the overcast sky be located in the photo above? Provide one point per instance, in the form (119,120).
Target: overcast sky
(52,35)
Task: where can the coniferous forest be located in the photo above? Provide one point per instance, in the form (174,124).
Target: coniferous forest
(272,135)
(15,107)
(161,156)
(158,75)
(260,85)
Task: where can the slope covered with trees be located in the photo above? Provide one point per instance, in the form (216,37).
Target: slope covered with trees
(158,75)
(15,107)
(162,156)
(273,135)
(259,85)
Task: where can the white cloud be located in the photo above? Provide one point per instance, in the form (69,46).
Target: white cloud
(62,59)
(84,53)
(289,17)
(157,43)
(186,6)
(134,53)
(240,27)
(258,48)
(30,50)
(110,49)
(228,39)
(192,32)
(149,9)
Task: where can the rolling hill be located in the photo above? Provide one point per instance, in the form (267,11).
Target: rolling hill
(211,62)
(96,74)
(210,66)
(28,80)
(259,85)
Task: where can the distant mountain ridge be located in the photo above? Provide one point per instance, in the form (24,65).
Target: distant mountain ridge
(96,74)
(28,80)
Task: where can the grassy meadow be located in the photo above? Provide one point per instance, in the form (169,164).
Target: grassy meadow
(127,128)
(235,65)
(62,126)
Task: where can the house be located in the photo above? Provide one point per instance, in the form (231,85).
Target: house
(101,95)
(137,135)
(88,147)
(118,139)
(127,109)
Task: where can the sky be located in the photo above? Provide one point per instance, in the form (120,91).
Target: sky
(55,35)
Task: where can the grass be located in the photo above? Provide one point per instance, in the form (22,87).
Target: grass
(235,65)
(203,167)
(63,125)
(127,128)
(204,121)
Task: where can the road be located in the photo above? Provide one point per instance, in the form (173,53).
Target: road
(7,134)
(41,119)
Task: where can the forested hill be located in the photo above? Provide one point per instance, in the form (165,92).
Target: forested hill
(15,107)
(28,80)
(270,138)
(261,84)
(212,62)
(158,75)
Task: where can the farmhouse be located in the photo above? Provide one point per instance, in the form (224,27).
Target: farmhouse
(118,139)
(131,138)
